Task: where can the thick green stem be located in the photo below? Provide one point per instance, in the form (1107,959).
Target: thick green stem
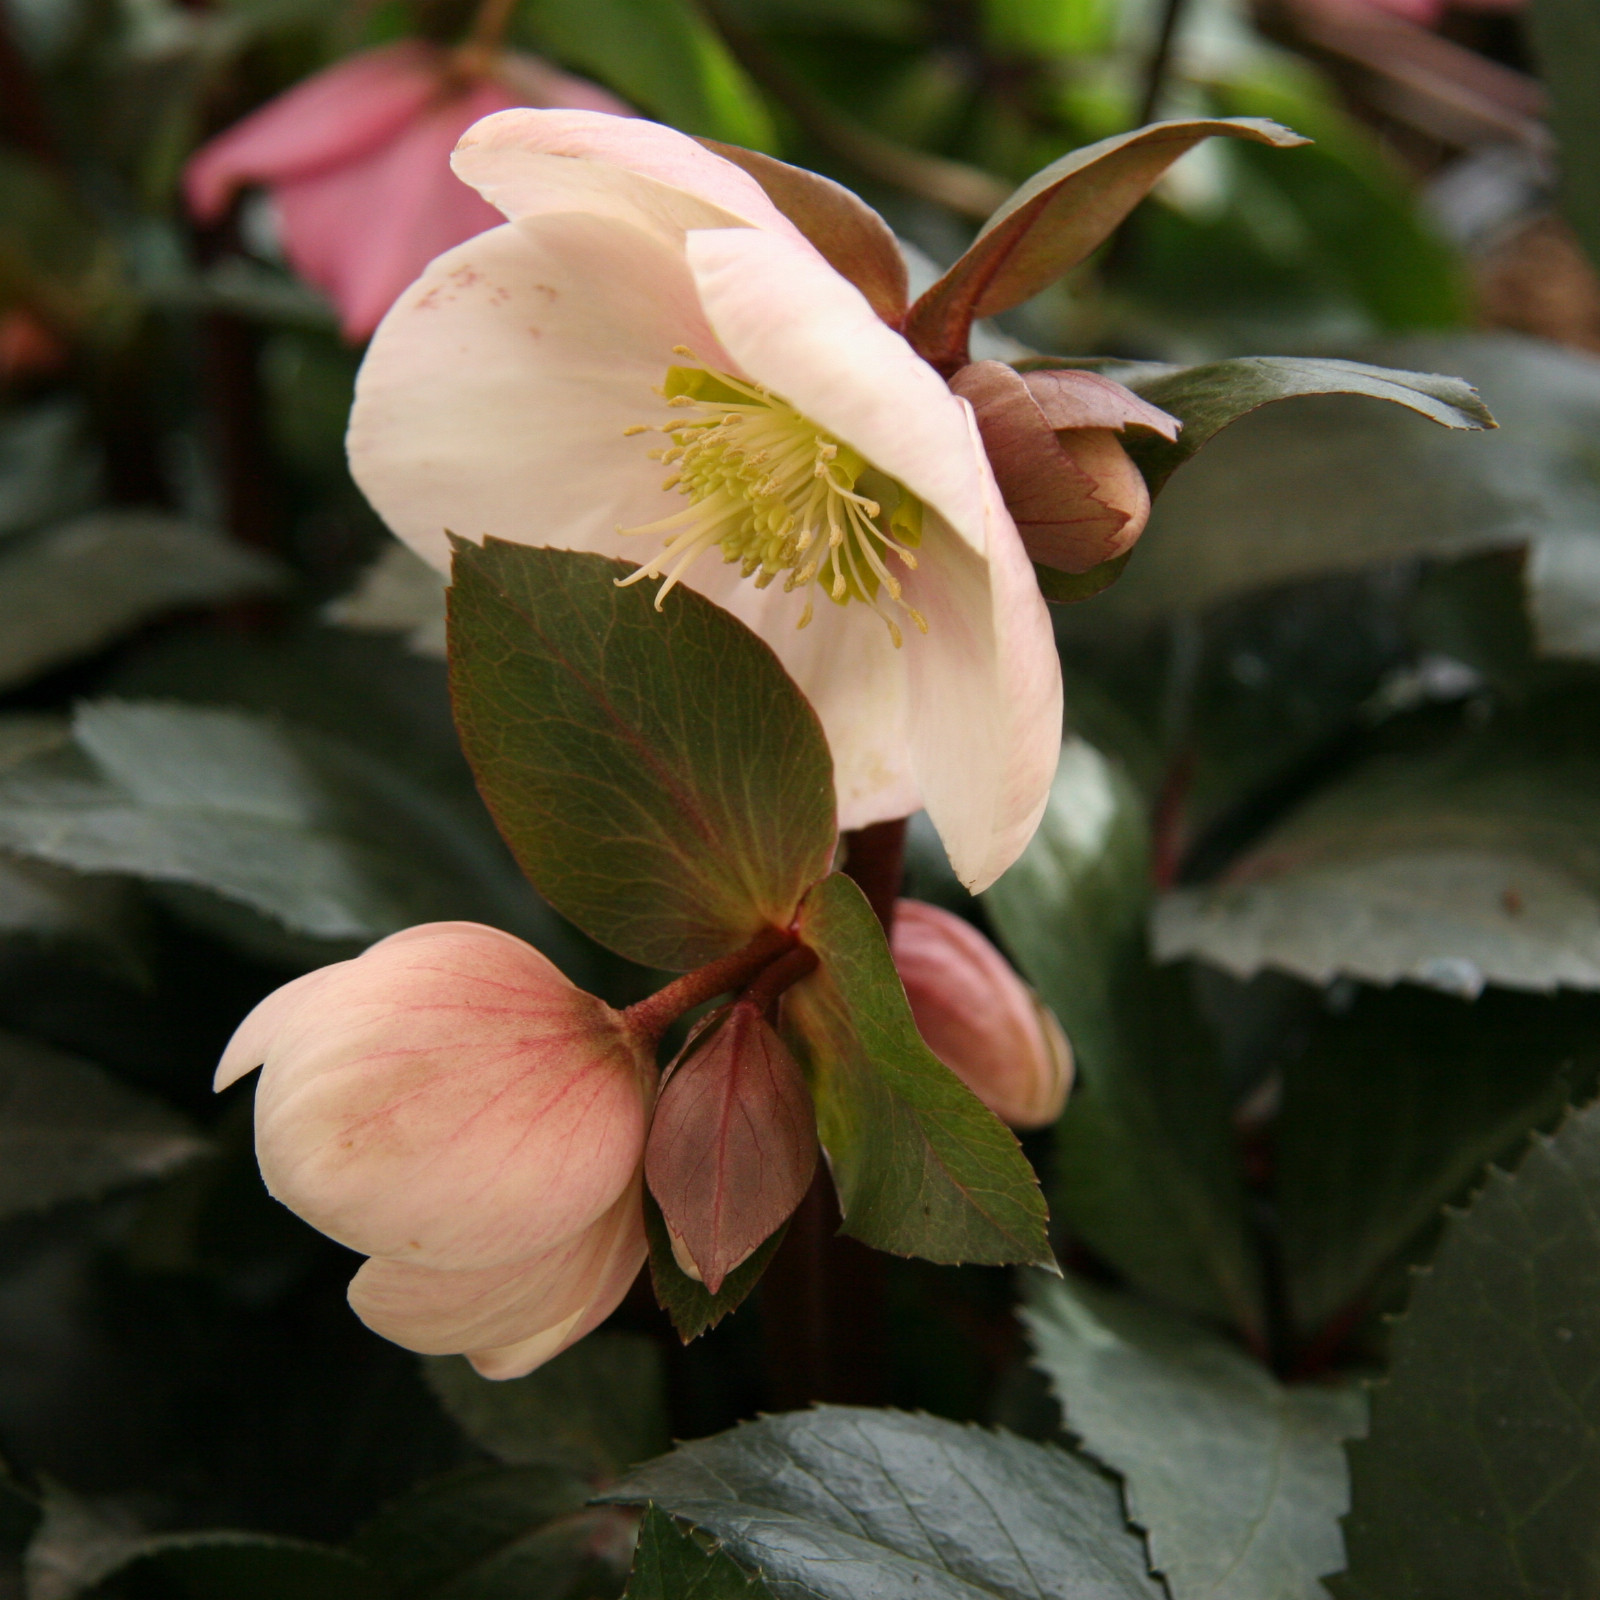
(652,1016)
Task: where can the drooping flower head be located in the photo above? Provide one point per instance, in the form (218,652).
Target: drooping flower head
(452,1106)
(650,360)
(356,161)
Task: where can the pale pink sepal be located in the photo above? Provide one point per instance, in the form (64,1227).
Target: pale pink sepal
(979,1018)
(447,1098)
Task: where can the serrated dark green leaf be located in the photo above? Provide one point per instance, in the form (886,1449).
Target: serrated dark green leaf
(658,775)
(1394,1108)
(1147,1172)
(671,1564)
(76,586)
(921,1167)
(1481,1471)
(497,1533)
(839,1502)
(327,840)
(69,1131)
(1208,398)
(1238,1481)
(691,1306)
(1456,867)
(595,1409)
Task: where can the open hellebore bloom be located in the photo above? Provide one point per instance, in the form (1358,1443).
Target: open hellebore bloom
(651,361)
(450,1105)
(979,1017)
(356,159)
(1077,498)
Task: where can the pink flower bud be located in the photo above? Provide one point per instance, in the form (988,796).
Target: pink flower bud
(1075,494)
(357,158)
(446,1099)
(508,1320)
(979,1018)
(733,1145)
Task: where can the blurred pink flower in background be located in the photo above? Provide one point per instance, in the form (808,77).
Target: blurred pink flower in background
(979,1017)
(357,161)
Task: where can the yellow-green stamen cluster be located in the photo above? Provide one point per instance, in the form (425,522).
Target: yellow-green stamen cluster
(777,494)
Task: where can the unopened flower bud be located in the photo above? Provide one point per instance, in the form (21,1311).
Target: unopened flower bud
(979,1018)
(447,1098)
(1076,496)
(733,1145)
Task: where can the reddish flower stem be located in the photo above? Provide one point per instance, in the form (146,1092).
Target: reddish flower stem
(651,1017)
(786,970)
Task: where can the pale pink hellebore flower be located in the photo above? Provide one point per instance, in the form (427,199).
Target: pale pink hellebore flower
(356,159)
(452,1106)
(979,1018)
(646,291)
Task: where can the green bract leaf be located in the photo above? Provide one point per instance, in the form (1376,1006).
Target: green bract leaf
(299,827)
(497,1533)
(68,1131)
(1238,1481)
(1482,1469)
(1058,218)
(1412,1093)
(670,1564)
(691,1306)
(1331,484)
(839,1503)
(921,1166)
(595,1409)
(663,56)
(77,586)
(1147,1171)
(1068,588)
(658,775)
(1454,868)
(1206,399)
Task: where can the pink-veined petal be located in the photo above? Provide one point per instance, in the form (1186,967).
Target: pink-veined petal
(495,394)
(252,1039)
(793,324)
(333,117)
(985,698)
(449,1098)
(542,1302)
(532,162)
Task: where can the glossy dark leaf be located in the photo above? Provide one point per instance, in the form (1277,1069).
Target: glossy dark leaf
(837,1503)
(1237,1480)
(921,1167)
(660,778)
(1482,1468)
(1058,218)
(671,1564)
(1146,1168)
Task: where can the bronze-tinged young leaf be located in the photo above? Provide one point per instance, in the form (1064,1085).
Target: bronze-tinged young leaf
(1481,1472)
(844,1503)
(669,1563)
(658,776)
(921,1166)
(691,1306)
(733,1144)
(1058,218)
(1207,398)
(849,235)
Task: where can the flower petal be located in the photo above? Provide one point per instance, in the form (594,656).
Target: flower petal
(349,110)
(985,698)
(793,324)
(532,162)
(494,396)
(253,1038)
(449,1098)
(534,1307)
